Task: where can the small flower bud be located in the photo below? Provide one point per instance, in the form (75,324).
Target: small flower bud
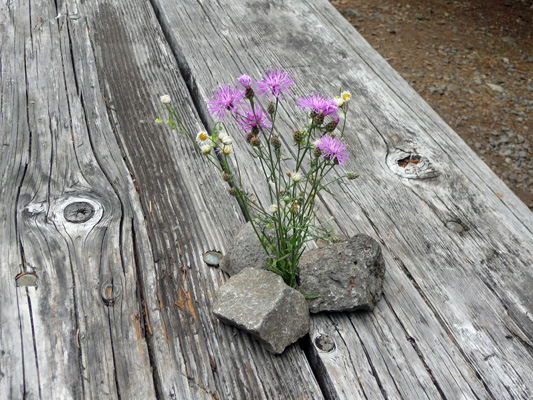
(225,138)
(338,101)
(352,175)
(245,81)
(249,93)
(296,176)
(205,148)
(330,127)
(317,152)
(318,119)
(298,137)
(276,142)
(294,206)
(255,141)
(271,108)
(165,99)
(227,149)
(249,137)
(273,208)
(225,176)
(232,191)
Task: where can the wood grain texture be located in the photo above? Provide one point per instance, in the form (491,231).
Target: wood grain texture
(187,210)
(67,223)
(456,318)
(112,213)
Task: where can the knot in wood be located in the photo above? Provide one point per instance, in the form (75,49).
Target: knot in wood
(110,293)
(411,165)
(324,343)
(79,212)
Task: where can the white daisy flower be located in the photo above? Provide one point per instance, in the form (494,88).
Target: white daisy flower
(338,101)
(346,96)
(203,138)
(165,99)
(273,208)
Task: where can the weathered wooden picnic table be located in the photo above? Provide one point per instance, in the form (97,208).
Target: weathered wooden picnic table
(108,215)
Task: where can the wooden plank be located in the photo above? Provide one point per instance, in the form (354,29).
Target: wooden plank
(63,340)
(15,321)
(456,315)
(187,210)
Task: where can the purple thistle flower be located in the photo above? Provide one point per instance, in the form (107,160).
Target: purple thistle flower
(248,121)
(275,83)
(319,104)
(332,148)
(245,81)
(226,99)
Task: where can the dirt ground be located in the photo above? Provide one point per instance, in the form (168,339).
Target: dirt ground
(472,61)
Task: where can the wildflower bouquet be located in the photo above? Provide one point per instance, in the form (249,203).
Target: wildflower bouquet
(287,222)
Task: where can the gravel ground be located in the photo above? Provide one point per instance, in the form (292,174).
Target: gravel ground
(472,61)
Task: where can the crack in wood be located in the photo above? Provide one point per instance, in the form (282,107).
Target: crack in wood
(368,358)
(143,311)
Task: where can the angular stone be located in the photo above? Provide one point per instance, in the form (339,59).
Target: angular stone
(347,276)
(245,251)
(260,303)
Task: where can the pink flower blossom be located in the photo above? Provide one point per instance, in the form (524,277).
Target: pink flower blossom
(247,120)
(333,149)
(275,83)
(319,104)
(226,100)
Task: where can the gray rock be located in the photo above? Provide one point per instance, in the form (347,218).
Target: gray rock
(260,303)
(347,276)
(245,251)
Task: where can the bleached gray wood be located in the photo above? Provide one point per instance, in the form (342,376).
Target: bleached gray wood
(84,308)
(15,321)
(455,320)
(187,211)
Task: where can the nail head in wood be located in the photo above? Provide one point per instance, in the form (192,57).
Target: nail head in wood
(456,226)
(26,279)
(213,258)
